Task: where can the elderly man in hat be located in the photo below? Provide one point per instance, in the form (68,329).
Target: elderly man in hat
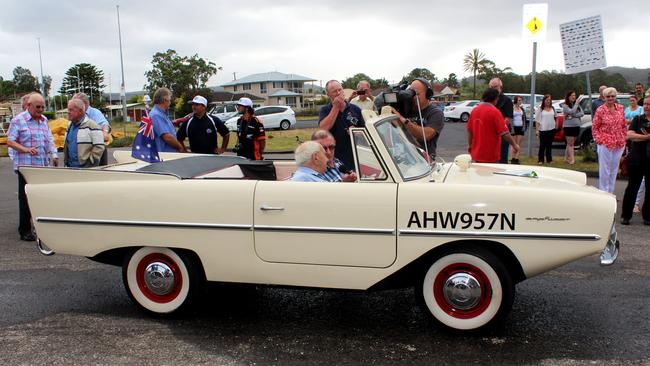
(201,129)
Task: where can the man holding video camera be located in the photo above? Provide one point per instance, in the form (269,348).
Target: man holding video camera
(362,97)
(423,113)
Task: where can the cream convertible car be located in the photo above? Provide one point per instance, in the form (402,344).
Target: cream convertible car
(463,234)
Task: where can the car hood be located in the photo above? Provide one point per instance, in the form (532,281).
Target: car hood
(518,176)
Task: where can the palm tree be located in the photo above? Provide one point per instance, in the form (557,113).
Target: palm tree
(474,62)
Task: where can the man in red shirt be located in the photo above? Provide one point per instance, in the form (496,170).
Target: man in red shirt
(485,129)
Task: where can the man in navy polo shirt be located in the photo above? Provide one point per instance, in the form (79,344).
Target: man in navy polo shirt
(202,130)
(337,117)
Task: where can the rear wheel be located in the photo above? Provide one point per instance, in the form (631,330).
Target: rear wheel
(284,125)
(464,117)
(466,289)
(161,280)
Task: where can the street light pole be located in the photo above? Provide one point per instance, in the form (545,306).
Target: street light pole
(41,61)
(123,89)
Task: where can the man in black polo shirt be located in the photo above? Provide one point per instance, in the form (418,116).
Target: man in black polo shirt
(505,106)
(337,117)
(201,129)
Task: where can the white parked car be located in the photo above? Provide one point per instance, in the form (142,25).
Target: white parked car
(224,111)
(272,116)
(460,111)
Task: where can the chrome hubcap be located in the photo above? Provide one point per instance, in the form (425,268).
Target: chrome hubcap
(159,278)
(462,291)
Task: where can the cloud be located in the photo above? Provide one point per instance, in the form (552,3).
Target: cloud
(323,40)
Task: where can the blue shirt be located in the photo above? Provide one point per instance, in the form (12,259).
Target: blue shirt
(629,114)
(349,117)
(304,174)
(333,174)
(97,116)
(162,125)
(71,141)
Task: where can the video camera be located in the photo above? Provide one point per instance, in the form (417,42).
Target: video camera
(399,98)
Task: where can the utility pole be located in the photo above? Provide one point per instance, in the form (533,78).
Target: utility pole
(41,60)
(123,89)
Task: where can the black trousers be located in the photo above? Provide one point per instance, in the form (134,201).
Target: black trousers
(25,216)
(546,145)
(104,159)
(505,149)
(635,175)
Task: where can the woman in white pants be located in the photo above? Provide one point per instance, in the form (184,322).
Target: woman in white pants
(609,131)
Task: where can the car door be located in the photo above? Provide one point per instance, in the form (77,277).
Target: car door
(341,224)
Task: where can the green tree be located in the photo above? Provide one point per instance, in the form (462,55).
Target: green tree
(475,62)
(451,81)
(419,73)
(351,82)
(178,73)
(7,88)
(24,81)
(90,81)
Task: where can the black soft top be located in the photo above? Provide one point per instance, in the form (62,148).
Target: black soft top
(193,166)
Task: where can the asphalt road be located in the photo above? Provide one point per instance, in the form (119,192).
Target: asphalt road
(69,310)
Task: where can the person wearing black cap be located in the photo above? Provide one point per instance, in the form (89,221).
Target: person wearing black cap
(251,138)
(201,129)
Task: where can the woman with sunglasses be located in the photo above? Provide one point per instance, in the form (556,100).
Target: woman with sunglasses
(609,130)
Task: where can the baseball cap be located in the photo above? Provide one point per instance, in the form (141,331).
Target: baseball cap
(199,100)
(246,102)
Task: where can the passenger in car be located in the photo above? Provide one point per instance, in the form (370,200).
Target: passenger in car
(311,161)
(336,170)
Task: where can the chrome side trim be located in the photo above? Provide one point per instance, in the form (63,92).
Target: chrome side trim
(331,230)
(191,225)
(44,249)
(500,235)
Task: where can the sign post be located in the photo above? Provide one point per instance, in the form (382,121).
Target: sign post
(534,21)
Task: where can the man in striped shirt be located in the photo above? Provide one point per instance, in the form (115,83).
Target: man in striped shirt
(31,138)
(336,171)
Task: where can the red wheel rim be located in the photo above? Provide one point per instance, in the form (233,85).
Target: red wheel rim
(142,285)
(464,268)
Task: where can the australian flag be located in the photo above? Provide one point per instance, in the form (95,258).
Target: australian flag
(144,145)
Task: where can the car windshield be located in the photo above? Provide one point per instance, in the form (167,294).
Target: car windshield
(403,149)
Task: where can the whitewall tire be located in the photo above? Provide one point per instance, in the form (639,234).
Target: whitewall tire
(160,280)
(466,290)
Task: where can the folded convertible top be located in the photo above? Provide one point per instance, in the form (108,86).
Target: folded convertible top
(193,166)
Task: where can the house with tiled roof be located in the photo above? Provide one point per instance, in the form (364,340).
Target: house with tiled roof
(275,88)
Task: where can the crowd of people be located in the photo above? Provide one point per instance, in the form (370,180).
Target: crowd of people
(496,126)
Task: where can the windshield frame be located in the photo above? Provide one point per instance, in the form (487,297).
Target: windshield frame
(407,138)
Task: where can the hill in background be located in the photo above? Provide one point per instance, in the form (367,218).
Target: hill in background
(631,74)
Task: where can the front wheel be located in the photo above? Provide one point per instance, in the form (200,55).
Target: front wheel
(466,289)
(161,280)
(284,125)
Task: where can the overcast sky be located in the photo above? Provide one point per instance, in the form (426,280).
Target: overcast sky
(324,40)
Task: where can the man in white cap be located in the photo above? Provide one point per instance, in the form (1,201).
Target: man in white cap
(251,138)
(201,129)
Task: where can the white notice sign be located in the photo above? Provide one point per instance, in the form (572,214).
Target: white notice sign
(583,45)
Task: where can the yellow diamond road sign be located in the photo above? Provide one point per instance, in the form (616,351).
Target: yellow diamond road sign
(534,25)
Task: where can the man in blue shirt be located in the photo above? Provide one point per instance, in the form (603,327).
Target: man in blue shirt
(337,117)
(311,161)
(163,128)
(598,102)
(97,116)
(336,170)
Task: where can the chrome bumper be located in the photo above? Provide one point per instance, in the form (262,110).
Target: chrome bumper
(43,248)
(610,252)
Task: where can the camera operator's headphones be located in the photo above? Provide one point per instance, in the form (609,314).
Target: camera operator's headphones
(428,85)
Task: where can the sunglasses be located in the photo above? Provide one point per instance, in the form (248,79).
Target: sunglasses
(329,147)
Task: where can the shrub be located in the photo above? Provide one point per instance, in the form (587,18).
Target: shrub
(49,115)
(123,141)
(588,155)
